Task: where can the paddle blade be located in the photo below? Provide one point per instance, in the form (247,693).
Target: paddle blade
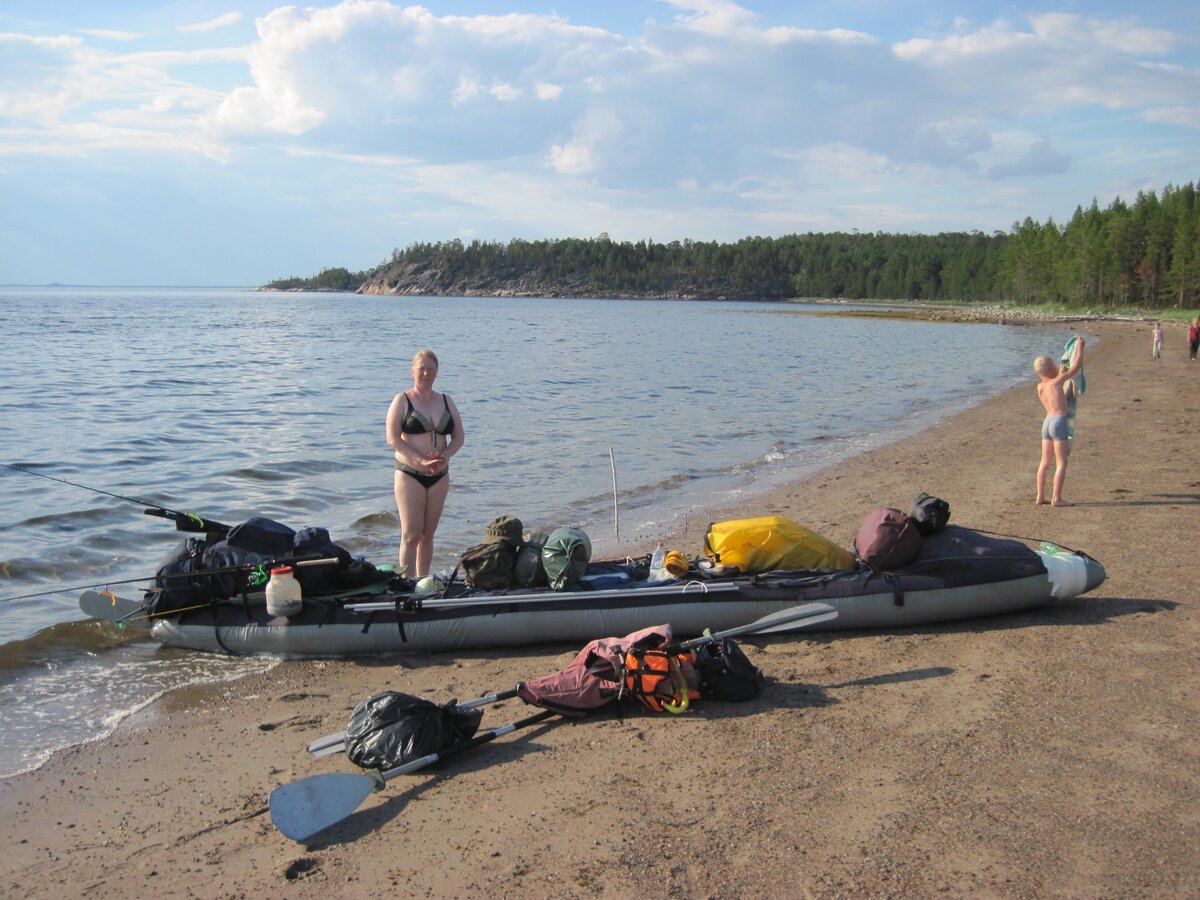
(303,808)
(108,607)
(795,618)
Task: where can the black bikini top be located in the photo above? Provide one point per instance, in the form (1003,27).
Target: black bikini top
(416,422)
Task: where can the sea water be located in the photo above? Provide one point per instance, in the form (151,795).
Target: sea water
(621,417)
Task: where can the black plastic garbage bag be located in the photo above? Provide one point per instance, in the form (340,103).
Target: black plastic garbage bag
(391,729)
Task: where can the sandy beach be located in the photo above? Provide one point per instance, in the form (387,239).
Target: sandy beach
(1034,755)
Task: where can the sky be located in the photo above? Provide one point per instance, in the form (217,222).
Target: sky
(189,142)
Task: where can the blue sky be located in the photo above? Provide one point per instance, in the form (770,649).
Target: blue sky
(227,143)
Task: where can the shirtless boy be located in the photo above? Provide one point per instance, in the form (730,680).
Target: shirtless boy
(1056,446)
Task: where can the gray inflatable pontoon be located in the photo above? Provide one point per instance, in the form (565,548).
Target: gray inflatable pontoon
(960,574)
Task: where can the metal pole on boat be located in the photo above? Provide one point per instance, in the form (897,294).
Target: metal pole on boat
(616,521)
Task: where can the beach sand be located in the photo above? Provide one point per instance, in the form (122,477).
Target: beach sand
(1050,753)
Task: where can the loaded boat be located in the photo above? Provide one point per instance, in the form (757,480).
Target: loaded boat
(957,573)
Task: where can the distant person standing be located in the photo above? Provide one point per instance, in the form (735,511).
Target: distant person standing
(1157,338)
(1056,444)
(1193,338)
(425,430)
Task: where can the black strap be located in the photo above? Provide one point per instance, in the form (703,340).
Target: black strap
(367,624)
(893,581)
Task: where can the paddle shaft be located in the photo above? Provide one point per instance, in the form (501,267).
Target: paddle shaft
(785,620)
(455,749)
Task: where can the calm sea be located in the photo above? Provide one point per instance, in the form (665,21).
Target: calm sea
(231,403)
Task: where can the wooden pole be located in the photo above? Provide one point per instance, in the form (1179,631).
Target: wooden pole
(616,520)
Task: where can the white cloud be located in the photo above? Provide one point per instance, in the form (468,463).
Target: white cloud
(1122,35)
(106,34)
(705,116)
(1187,116)
(223,21)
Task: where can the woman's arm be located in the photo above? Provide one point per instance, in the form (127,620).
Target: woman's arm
(458,435)
(395,439)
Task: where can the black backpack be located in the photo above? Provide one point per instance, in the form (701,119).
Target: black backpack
(930,514)
(726,673)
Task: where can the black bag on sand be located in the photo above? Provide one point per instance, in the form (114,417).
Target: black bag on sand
(931,514)
(391,729)
(726,673)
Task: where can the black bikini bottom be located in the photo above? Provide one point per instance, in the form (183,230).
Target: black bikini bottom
(426,481)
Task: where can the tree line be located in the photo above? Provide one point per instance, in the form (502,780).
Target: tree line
(1146,254)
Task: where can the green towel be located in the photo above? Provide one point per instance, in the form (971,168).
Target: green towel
(1073,388)
(1065,359)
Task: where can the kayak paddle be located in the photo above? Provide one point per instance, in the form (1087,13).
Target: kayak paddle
(305,807)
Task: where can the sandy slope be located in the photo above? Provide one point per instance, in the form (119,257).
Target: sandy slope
(1052,753)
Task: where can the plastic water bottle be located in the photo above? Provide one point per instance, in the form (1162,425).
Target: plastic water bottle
(283,593)
(657,572)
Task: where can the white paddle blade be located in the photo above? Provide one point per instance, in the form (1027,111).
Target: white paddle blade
(303,808)
(106,606)
(797,617)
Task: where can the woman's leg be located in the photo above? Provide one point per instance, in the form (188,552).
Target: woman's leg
(435,502)
(410,503)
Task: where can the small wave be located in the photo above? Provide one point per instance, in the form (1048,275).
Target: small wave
(82,700)
(28,569)
(69,520)
(256,474)
(50,646)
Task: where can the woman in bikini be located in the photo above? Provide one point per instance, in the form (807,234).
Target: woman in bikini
(425,430)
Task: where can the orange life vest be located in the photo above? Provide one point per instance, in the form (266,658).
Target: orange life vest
(657,679)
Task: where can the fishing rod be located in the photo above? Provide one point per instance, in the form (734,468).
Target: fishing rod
(183,521)
(64,590)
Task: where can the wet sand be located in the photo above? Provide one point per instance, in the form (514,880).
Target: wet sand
(1049,753)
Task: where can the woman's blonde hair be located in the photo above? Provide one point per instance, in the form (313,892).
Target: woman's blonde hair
(428,354)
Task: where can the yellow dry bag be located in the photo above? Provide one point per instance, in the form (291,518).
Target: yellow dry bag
(773,542)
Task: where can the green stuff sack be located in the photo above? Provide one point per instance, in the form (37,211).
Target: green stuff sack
(566,556)
(769,543)
(529,570)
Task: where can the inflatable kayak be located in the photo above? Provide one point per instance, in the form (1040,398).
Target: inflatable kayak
(959,574)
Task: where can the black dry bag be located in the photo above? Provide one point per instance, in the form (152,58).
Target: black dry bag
(391,729)
(726,673)
(930,514)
